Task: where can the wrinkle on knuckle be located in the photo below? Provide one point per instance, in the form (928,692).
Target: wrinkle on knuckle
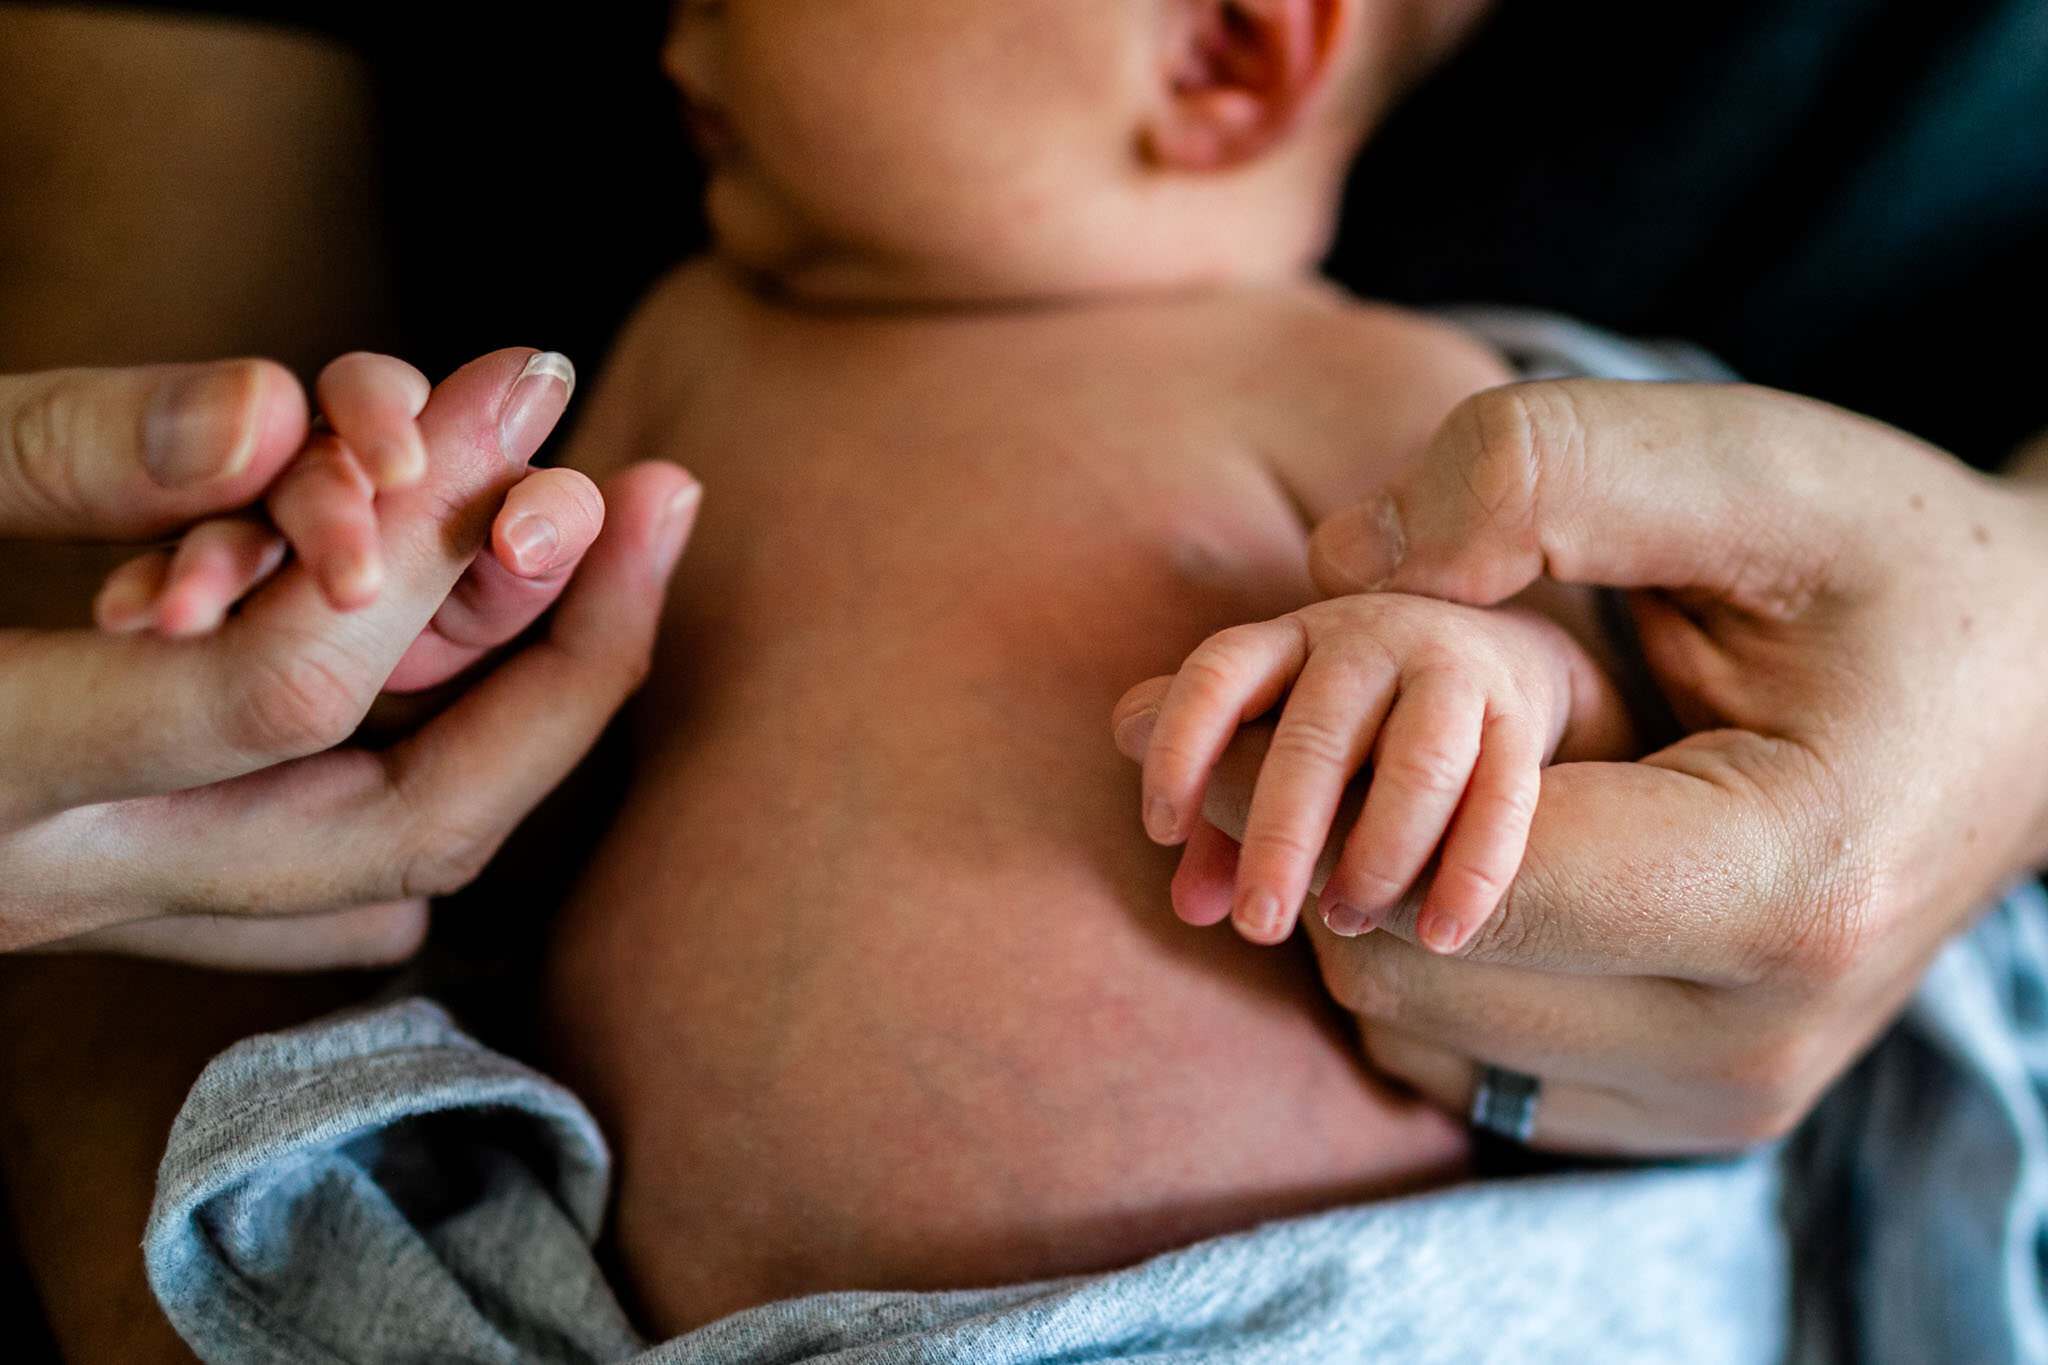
(1508,933)
(303,704)
(1502,430)
(442,856)
(1767,1085)
(1826,890)
(1314,743)
(1430,769)
(40,439)
(1279,845)
(1211,673)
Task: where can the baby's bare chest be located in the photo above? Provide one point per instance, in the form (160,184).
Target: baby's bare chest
(1041,552)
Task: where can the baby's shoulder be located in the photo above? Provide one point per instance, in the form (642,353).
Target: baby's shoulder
(1369,385)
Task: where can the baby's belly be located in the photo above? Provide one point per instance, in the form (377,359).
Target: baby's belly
(863,1010)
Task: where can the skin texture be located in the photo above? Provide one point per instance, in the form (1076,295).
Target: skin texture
(899,151)
(161,203)
(1850,624)
(1456,710)
(873,983)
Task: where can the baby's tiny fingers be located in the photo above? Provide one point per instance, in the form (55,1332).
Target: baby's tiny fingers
(1421,767)
(1483,850)
(549,519)
(127,600)
(218,563)
(372,402)
(1231,678)
(326,507)
(1322,739)
(1207,871)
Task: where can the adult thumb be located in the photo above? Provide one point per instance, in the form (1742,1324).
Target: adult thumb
(1735,492)
(133,454)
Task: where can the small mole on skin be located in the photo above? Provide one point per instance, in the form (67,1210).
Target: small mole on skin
(1970,835)
(1968,622)
(1916,502)
(1980,535)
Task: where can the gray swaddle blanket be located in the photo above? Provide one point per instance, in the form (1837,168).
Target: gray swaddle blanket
(380,1187)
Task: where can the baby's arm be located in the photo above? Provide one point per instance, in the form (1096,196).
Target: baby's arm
(1454,709)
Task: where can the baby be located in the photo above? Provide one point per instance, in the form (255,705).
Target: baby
(1010,384)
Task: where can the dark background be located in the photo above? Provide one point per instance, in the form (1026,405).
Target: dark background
(1847,198)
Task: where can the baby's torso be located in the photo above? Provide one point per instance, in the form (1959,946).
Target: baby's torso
(874,982)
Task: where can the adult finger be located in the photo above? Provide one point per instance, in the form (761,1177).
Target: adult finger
(1570,1116)
(1626,485)
(371,401)
(549,521)
(1587,903)
(86,718)
(136,454)
(340,940)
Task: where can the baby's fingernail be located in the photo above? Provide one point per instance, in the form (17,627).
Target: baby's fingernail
(1347,921)
(677,519)
(1162,822)
(1257,912)
(124,606)
(537,400)
(176,620)
(1440,933)
(533,540)
(400,463)
(1362,547)
(199,429)
(1134,733)
(354,577)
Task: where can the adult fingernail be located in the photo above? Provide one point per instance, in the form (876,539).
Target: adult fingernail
(1362,547)
(1162,821)
(199,428)
(1134,732)
(536,402)
(533,540)
(124,606)
(676,522)
(1347,921)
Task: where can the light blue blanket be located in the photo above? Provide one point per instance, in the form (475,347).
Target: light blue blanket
(381,1188)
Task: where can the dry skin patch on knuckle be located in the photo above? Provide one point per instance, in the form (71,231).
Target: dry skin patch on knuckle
(40,434)
(298,705)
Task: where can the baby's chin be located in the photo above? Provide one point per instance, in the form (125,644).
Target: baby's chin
(793,260)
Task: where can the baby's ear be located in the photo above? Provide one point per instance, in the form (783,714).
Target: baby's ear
(1239,75)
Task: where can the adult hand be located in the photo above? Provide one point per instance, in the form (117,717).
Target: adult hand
(1852,626)
(143,778)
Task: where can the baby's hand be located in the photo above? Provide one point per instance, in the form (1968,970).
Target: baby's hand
(1454,709)
(322,509)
